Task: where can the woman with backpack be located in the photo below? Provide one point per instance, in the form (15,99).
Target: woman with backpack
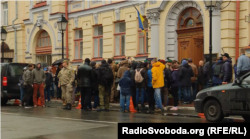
(140,84)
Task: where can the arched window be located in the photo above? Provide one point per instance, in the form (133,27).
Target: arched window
(190,18)
(43,39)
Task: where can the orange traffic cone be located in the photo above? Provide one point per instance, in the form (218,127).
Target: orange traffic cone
(201,115)
(16,102)
(131,106)
(39,102)
(79,104)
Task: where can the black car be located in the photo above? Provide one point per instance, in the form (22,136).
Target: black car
(221,101)
(10,73)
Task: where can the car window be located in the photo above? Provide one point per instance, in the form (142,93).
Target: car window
(16,70)
(247,80)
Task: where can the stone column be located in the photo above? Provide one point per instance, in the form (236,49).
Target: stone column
(153,16)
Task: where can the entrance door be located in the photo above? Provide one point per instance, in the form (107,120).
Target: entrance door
(190,35)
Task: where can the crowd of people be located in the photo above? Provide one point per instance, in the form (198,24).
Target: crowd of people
(151,81)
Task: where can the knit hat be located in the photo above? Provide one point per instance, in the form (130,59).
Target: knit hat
(163,61)
(184,62)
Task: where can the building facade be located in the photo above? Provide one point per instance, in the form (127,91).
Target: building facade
(104,29)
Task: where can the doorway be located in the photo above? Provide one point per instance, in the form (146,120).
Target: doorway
(190,35)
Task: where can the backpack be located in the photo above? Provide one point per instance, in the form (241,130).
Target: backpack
(108,76)
(217,69)
(138,77)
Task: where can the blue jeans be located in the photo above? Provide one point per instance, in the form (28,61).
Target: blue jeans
(22,90)
(47,93)
(127,99)
(96,99)
(142,95)
(157,96)
(53,89)
(187,93)
(194,87)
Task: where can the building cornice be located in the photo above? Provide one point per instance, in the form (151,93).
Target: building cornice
(10,28)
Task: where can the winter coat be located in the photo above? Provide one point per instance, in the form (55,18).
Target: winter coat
(114,68)
(186,73)
(144,74)
(201,76)
(243,64)
(95,83)
(85,76)
(167,77)
(132,72)
(122,69)
(149,78)
(56,78)
(38,76)
(206,70)
(216,79)
(126,83)
(195,71)
(28,77)
(49,80)
(157,75)
(175,78)
(227,70)
(101,71)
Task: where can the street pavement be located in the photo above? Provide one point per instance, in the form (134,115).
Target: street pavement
(55,123)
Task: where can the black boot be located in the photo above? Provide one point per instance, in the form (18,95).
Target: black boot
(65,107)
(68,106)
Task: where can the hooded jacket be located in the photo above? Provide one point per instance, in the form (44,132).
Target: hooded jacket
(38,75)
(186,73)
(157,75)
(125,83)
(122,69)
(227,70)
(28,77)
(216,79)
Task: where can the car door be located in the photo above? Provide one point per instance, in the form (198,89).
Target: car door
(240,98)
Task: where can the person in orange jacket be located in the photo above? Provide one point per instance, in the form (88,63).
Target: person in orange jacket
(157,82)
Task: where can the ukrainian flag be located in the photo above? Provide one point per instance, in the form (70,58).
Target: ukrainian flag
(141,20)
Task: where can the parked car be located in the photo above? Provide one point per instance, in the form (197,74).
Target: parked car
(10,73)
(221,101)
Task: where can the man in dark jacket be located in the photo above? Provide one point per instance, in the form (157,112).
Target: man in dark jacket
(86,78)
(167,80)
(95,87)
(58,89)
(186,73)
(104,79)
(48,81)
(201,78)
(227,69)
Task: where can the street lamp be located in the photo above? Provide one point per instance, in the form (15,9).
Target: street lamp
(3,38)
(210,4)
(62,25)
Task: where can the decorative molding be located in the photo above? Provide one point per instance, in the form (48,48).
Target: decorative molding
(95,18)
(76,22)
(28,30)
(117,14)
(28,57)
(83,1)
(184,44)
(10,28)
(76,5)
(152,2)
(154,17)
(142,9)
(198,43)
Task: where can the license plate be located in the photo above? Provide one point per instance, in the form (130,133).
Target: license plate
(18,84)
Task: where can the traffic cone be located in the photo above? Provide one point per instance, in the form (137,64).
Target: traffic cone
(16,102)
(79,104)
(201,115)
(39,102)
(131,106)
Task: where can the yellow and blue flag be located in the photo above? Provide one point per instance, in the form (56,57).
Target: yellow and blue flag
(141,20)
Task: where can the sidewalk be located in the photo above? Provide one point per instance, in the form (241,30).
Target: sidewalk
(183,110)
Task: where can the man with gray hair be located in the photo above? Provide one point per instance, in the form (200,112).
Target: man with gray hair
(243,65)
